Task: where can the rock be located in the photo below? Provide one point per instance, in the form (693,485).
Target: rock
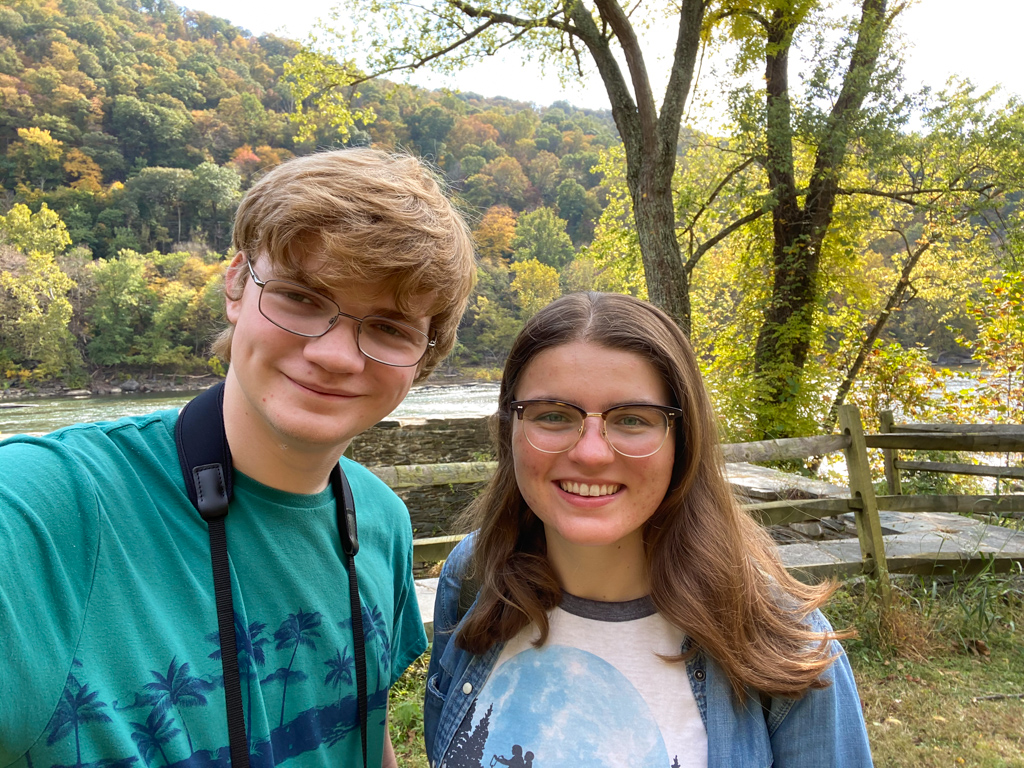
(77,393)
(130,386)
(811,530)
(954,358)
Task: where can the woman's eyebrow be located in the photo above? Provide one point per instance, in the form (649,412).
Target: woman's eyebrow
(632,401)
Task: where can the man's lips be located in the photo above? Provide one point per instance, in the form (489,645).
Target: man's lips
(322,390)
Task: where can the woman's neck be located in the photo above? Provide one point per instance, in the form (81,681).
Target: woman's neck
(610,573)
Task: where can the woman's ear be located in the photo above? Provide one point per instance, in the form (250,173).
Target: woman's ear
(234,283)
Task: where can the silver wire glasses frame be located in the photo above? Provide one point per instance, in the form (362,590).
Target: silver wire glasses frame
(299,309)
(634,430)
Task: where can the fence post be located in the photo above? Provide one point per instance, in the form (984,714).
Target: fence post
(889,456)
(869,528)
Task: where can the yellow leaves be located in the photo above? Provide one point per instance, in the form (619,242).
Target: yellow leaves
(322,93)
(85,174)
(43,231)
(22,373)
(42,141)
(536,286)
(494,234)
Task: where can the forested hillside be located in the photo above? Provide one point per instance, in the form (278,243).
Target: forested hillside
(141,126)
(130,131)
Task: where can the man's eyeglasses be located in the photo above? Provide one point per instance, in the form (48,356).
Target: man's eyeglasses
(300,310)
(636,430)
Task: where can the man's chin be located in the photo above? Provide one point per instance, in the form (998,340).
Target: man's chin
(314,437)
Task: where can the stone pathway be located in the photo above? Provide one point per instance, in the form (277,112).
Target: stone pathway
(919,542)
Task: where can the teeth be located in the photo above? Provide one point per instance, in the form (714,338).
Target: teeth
(583,489)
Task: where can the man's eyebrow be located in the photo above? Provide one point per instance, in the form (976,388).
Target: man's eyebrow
(396,314)
(299,275)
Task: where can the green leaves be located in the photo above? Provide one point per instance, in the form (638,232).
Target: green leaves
(541,236)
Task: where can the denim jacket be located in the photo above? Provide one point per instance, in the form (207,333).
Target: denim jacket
(823,729)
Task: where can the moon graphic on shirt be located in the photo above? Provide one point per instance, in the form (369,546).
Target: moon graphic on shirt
(570,708)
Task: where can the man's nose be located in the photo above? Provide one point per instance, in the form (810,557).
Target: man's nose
(338,349)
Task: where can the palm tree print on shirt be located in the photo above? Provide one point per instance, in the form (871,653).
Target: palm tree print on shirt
(151,736)
(376,629)
(177,689)
(296,630)
(153,712)
(78,705)
(343,666)
(251,656)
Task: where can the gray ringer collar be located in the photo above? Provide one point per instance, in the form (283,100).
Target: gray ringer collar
(631,610)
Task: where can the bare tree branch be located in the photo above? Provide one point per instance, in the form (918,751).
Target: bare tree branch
(707,245)
(895,297)
(716,191)
(909,196)
(612,12)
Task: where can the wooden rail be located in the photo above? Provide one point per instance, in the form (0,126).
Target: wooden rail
(964,441)
(785,449)
(415,475)
(977,437)
(862,502)
(995,429)
(981,470)
(964,505)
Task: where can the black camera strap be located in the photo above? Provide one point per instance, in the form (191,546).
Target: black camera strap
(206,466)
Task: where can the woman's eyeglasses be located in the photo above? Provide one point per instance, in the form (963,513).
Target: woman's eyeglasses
(636,430)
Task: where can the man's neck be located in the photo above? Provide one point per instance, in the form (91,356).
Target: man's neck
(271,458)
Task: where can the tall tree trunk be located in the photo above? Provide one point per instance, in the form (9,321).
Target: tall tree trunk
(664,270)
(785,337)
(650,139)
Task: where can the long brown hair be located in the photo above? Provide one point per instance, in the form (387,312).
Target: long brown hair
(714,572)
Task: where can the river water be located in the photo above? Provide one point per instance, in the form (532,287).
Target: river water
(430,401)
(46,415)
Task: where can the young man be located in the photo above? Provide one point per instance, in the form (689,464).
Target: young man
(350,275)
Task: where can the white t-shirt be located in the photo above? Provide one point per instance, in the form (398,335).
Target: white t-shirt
(596,694)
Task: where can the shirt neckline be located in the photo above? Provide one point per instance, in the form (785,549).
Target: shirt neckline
(596,610)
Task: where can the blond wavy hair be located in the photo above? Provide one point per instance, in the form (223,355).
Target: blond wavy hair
(365,215)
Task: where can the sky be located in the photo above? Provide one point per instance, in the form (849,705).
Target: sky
(947,40)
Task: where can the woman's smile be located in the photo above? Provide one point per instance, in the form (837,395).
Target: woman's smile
(589,489)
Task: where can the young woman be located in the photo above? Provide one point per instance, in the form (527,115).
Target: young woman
(625,611)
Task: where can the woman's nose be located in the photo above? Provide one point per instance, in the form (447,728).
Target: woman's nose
(593,446)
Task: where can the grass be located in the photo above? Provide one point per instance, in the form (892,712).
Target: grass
(923,671)
(405,715)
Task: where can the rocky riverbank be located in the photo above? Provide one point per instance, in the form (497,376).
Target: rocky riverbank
(113,384)
(118,383)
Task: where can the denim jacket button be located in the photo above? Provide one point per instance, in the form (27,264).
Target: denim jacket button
(467,688)
(699,674)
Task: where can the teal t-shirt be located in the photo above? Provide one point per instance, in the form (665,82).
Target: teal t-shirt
(109,652)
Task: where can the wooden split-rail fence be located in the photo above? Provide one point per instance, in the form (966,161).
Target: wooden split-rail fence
(862,501)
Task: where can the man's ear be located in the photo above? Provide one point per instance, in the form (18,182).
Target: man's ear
(233,287)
